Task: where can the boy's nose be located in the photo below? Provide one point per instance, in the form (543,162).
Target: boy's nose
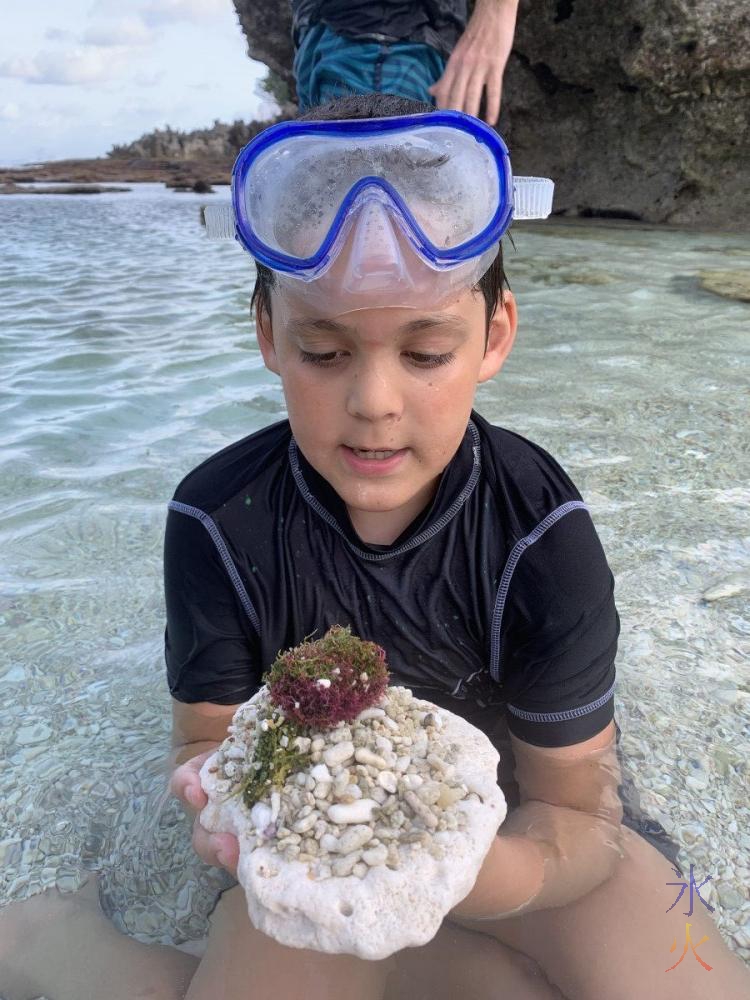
(373,393)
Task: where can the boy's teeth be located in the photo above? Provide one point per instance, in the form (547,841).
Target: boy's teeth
(373,454)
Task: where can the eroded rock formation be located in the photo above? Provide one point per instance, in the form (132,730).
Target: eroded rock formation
(636,109)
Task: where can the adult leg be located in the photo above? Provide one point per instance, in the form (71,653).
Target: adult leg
(614,943)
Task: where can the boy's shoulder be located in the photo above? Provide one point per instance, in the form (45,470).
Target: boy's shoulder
(522,473)
(222,475)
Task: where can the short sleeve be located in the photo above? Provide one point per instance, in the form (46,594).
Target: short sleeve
(560,647)
(210,645)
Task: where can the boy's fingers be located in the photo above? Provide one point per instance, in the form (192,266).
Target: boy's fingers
(218,849)
(185,782)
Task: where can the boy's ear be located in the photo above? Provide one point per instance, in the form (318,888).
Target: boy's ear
(264,333)
(501,337)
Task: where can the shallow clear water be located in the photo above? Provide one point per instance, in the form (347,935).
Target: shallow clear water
(128,356)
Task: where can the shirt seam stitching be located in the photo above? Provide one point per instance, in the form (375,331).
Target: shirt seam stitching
(571,713)
(213,530)
(513,559)
(423,536)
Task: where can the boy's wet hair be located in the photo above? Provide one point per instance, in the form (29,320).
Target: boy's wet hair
(380,106)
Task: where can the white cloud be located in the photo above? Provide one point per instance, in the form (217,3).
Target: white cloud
(74,66)
(117,32)
(162,11)
(9,112)
(57,35)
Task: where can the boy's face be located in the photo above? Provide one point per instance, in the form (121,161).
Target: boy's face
(378,387)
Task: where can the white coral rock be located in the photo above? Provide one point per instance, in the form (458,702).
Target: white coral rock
(386,909)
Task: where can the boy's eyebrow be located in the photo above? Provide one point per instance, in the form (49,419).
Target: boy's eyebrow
(311,328)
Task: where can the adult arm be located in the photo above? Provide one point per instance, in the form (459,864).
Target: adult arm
(478,60)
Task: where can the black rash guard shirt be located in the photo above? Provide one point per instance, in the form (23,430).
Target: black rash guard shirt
(496,601)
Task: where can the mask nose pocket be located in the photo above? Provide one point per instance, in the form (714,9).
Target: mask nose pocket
(376,259)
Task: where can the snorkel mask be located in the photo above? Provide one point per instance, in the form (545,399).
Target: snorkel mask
(354,214)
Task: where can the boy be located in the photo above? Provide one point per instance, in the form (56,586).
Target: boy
(386,502)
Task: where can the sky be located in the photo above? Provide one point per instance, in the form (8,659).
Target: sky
(78,76)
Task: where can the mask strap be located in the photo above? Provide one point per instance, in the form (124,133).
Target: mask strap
(532,197)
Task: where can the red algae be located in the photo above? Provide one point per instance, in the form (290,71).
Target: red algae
(328,681)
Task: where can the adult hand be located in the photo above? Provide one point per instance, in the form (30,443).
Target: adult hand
(218,849)
(478,61)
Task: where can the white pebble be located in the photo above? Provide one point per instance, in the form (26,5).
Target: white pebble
(341,783)
(260,815)
(370,713)
(302,743)
(318,743)
(329,843)
(364,756)
(275,805)
(375,855)
(343,866)
(320,773)
(388,781)
(306,823)
(323,682)
(354,838)
(352,812)
(420,809)
(339,753)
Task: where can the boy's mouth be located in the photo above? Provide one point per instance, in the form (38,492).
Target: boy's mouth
(374,452)
(366,459)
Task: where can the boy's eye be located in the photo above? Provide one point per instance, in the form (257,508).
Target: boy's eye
(421,360)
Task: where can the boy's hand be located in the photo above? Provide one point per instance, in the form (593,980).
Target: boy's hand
(218,849)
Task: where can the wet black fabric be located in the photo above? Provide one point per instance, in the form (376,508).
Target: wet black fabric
(498,593)
(438,23)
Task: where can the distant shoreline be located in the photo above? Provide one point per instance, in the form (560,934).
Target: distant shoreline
(197,174)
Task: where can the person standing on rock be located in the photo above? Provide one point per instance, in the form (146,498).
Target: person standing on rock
(429,51)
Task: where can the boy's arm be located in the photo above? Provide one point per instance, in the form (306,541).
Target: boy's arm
(197,728)
(564,838)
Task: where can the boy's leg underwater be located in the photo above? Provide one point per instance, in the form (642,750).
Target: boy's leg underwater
(614,942)
(62,946)
(458,962)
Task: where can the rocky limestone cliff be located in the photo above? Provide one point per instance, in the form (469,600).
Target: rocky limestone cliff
(636,109)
